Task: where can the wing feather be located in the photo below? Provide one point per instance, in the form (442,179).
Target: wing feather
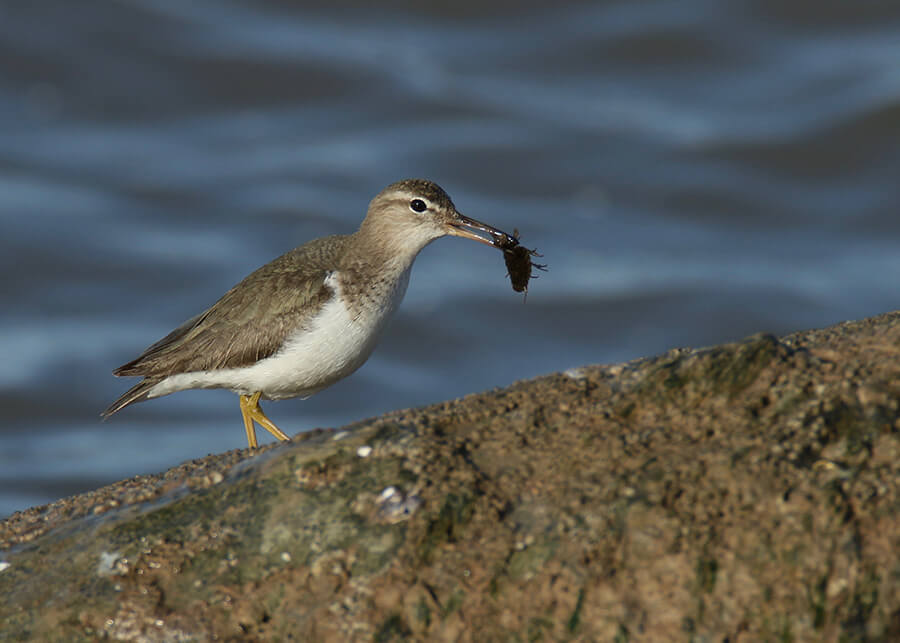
(251,321)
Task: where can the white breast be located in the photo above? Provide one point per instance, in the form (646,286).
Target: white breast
(331,347)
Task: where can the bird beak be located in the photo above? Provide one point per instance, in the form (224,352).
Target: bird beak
(463,226)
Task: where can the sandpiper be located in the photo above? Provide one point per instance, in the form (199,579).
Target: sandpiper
(310,317)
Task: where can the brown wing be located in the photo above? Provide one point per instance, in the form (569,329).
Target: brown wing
(251,321)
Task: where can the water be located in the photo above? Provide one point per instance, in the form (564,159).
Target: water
(694,172)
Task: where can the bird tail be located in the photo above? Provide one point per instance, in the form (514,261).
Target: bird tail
(137,393)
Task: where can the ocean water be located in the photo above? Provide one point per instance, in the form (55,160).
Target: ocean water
(692,171)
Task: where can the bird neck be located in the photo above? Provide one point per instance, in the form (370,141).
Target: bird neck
(386,244)
(374,272)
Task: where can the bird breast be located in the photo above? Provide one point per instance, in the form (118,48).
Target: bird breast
(334,343)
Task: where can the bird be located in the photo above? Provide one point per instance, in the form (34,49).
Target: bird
(310,317)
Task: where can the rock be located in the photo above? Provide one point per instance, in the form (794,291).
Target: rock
(749,491)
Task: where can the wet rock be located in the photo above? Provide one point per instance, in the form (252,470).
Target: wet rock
(749,491)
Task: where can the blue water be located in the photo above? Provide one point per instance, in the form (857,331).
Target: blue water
(693,171)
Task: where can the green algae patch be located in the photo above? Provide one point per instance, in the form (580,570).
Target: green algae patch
(707,569)
(734,369)
(526,563)
(235,505)
(575,618)
(686,378)
(202,545)
(448,525)
(394,628)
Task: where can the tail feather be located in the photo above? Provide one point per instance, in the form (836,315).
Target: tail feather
(137,393)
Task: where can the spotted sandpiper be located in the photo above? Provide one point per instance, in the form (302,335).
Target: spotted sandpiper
(310,317)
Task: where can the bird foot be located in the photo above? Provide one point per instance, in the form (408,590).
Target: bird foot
(252,413)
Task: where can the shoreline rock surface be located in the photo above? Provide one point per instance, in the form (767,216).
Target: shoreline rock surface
(748,491)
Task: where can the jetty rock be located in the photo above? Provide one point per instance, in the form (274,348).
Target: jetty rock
(742,492)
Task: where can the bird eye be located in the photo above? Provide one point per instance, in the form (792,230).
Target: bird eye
(418,205)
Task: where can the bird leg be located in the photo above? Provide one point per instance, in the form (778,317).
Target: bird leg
(248,421)
(252,413)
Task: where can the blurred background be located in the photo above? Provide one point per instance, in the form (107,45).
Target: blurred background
(694,171)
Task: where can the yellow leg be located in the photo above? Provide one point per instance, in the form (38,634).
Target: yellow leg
(248,421)
(252,413)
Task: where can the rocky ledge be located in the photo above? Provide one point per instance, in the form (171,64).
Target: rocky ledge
(745,492)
